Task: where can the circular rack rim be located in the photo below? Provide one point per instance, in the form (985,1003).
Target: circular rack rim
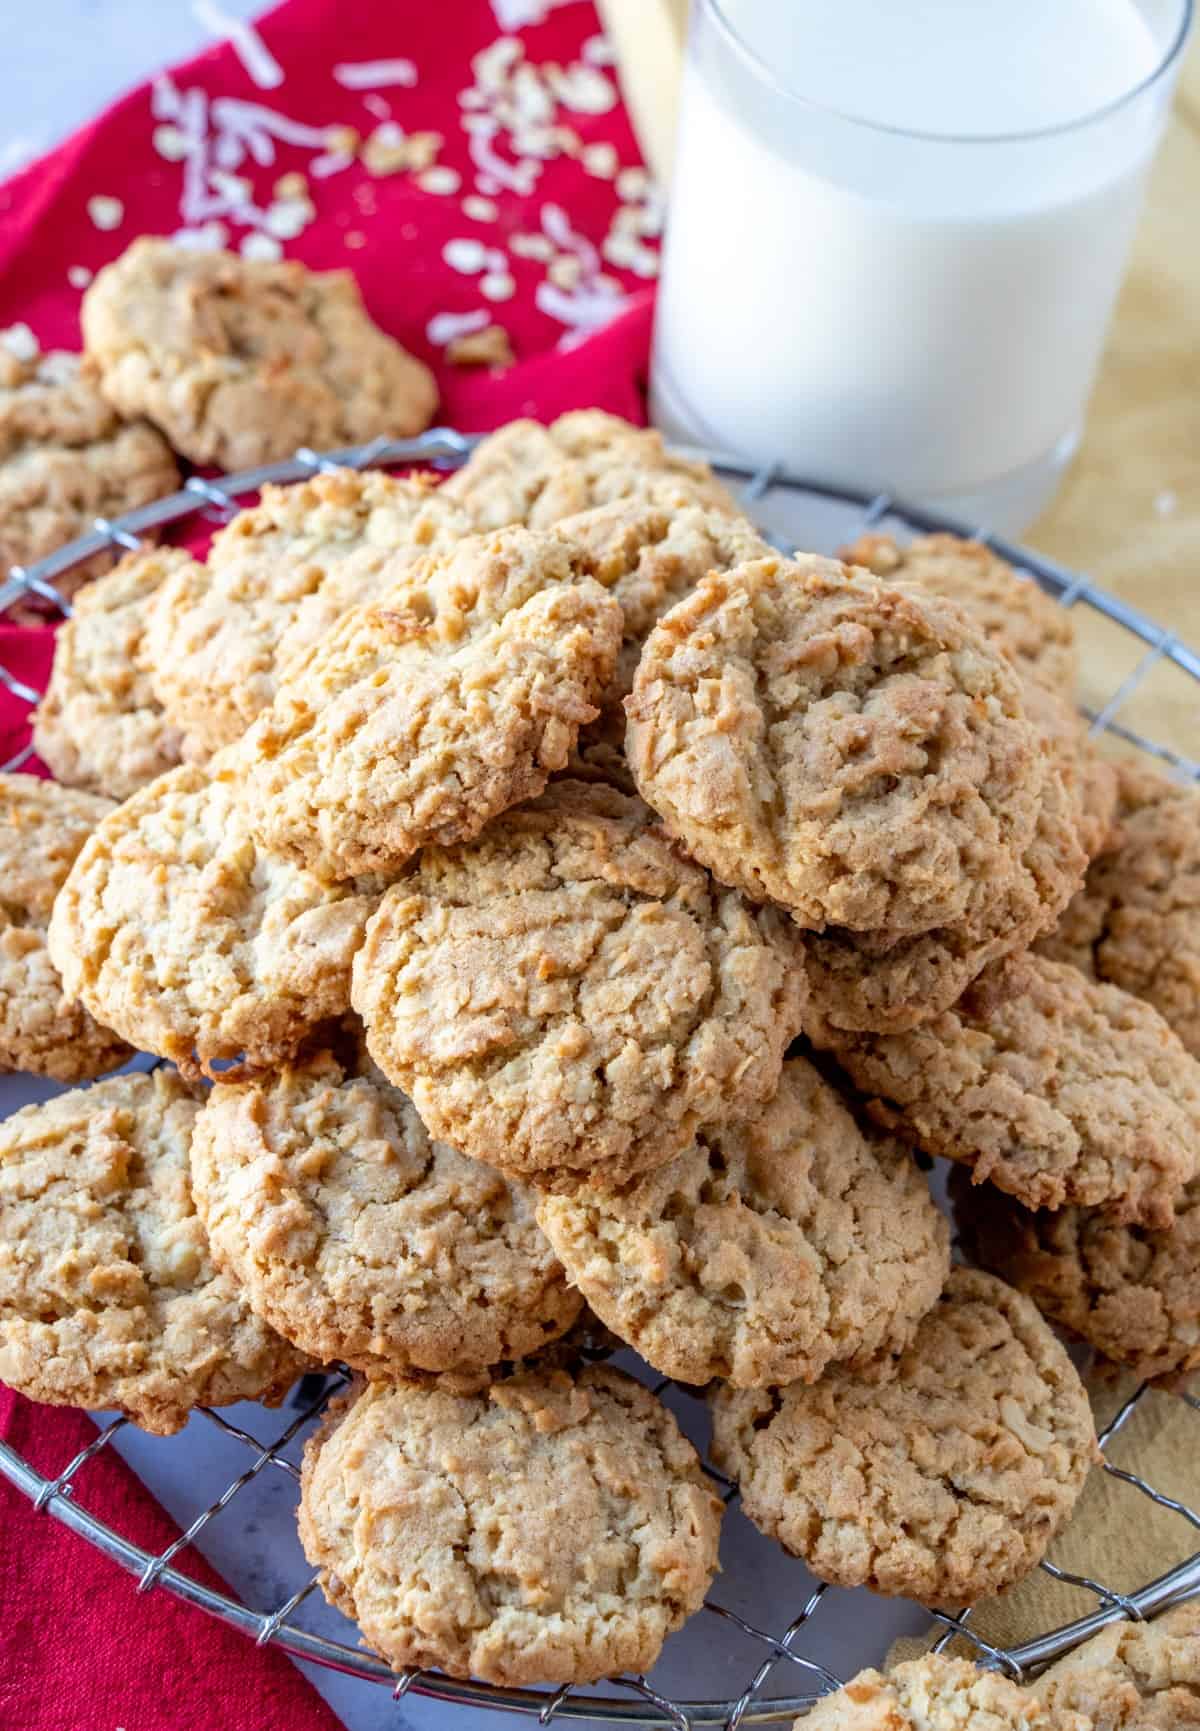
(445,448)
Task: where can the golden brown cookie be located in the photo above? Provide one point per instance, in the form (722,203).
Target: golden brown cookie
(942,1476)
(425,713)
(1033,629)
(42,828)
(1136,921)
(1056,1088)
(569,999)
(66,458)
(108,1294)
(527,473)
(100,725)
(769,1249)
(360,1239)
(1132,1676)
(935,1693)
(276,578)
(546,1529)
(855,752)
(1131,1292)
(875,982)
(193,941)
(241,361)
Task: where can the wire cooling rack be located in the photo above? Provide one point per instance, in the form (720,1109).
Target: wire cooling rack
(63,1496)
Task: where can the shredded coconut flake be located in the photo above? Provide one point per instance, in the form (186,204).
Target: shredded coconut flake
(245,41)
(441,180)
(260,246)
(171,144)
(374,74)
(106,213)
(480,209)
(598,51)
(444,328)
(497,286)
(466,256)
(79,276)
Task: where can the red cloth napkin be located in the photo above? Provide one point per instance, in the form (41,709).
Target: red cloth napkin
(78,1652)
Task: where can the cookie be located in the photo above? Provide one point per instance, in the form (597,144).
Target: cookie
(940,1477)
(854,752)
(570,999)
(42,828)
(423,714)
(108,1294)
(547,1529)
(1136,921)
(241,361)
(1056,1088)
(1033,629)
(875,982)
(360,1239)
(1132,1676)
(935,1693)
(66,458)
(767,1250)
(527,473)
(649,556)
(1133,1294)
(100,725)
(276,578)
(178,930)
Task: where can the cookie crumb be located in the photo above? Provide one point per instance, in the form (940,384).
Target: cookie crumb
(106,213)
(489,347)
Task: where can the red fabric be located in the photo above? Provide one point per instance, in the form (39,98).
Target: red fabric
(78,1652)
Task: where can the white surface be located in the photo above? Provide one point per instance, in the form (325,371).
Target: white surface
(79,54)
(891,312)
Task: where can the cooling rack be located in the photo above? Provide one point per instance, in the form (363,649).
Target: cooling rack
(771,495)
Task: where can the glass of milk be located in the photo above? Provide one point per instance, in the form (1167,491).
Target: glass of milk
(896,232)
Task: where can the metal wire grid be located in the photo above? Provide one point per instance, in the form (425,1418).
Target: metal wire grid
(639,1702)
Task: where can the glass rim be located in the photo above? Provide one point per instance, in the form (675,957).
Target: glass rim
(716,10)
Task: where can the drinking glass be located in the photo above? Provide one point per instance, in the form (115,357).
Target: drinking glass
(916,309)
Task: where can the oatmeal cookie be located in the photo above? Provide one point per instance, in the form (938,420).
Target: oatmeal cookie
(569,999)
(178,930)
(66,458)
(100,725)
(1132,1676)
(875,982)
(1132,1293)
(360,1239)
(1090,779)
(1056,1088)
(1136,921)
(277,577)
(935,1693)
(767,1250)
(108,1294)
(527,473)
(42,828)
(1015,614)
(854,752)
(546,1529)
(941,1476)
(240,361)
(422,715)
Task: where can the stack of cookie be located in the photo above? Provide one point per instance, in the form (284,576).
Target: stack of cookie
(573,902)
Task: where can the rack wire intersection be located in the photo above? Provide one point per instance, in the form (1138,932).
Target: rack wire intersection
(638,1702)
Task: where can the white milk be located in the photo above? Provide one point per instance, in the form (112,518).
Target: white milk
(921,314)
